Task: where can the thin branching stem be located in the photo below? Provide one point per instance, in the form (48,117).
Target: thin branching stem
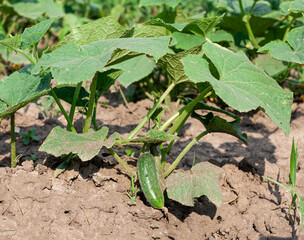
(62,110)
(183,153)
(74,103)
(13,142)
(91,105)
(156,105)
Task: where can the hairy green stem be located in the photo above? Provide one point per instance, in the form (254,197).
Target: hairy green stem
(143,122)
(74,102)
(246,19)
(183,153)
(94,118)
(13,142)
(91,105)
(26,56)
(291,20)
(122,162)
(188,109)
(287,71)
(62,110)
(36,52)
(87,9)
(241,7)
(251,35)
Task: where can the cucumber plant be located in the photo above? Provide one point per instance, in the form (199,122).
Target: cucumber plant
(127,55)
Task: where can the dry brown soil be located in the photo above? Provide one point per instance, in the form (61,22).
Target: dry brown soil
(88,201)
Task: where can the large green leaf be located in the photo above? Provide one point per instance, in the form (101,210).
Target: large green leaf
(293,51)
(269,64)
(199,27)
(66,93)
(297,6)
(100,29)
(172,64)
(217,124)
(235,24)
(34,9)
(201,180)
(141,65)
(185,41)
(220,36)
(146,31)
(85,145)
(72,64)
(260,8)
(242,85)
(12,42)
(31,36)
(22,87)
(106,79)
(3,106)
(171,3)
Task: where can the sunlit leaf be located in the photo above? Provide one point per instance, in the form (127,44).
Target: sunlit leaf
(202,179)
(241,85)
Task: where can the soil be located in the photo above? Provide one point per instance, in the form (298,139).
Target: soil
(89,201)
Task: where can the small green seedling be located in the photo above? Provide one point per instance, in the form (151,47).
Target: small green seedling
(291,186)
(133,191)
(29,135)
(129,152)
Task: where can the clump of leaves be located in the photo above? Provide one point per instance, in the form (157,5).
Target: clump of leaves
(29,136)
(297,203)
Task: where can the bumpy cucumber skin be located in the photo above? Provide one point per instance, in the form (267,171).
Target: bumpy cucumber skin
(149,180)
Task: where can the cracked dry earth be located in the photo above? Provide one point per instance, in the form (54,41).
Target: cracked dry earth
(88,201)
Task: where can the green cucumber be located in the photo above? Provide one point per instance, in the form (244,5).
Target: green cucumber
(149,180)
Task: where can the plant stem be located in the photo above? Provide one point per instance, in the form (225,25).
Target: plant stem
(122,162)
(241,7)
(143,122)
(87,10)
(291,20)
(73,107)
(246,19)
(250,33)
(183,153)
(62,110)
(26,56)
(36,52)
(94,117)
(13,142)
(91,104)
(188,109)
(287,71)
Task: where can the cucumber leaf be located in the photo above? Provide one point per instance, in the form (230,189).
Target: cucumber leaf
(142,65)
(199,27)
(31,36)
(293,51)
(21,88)
(100,29)
(201,180)
(66,93)
(72,64)
(241,85)
(172,64)
(12,42)
(217,124)
(297,6)
(85,145)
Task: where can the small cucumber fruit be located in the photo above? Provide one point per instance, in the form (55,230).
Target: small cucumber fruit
(149,180)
